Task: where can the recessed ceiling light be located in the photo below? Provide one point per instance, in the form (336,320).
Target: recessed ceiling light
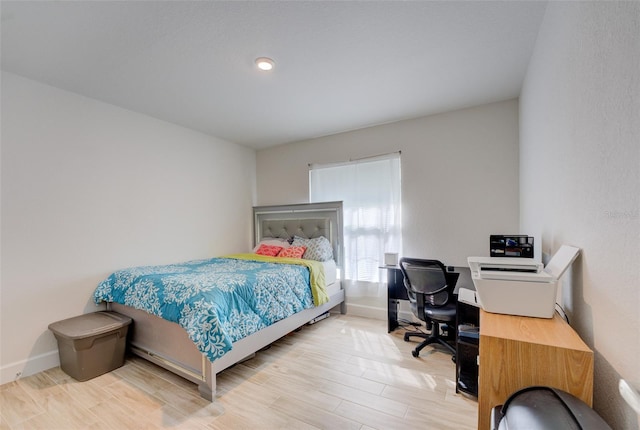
(264,63)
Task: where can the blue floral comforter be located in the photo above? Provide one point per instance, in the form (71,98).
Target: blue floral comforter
(217,301)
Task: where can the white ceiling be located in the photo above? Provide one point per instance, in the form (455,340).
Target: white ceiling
(340,65)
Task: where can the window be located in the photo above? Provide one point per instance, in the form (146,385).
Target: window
(370,192)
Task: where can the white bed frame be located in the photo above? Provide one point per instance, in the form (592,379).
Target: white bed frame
(166,343)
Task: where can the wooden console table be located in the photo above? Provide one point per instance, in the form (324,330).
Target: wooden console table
(517,352)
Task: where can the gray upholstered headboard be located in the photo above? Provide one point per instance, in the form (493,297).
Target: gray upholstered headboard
(287,228)
(305,220)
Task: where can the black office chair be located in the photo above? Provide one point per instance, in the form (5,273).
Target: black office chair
(432,300)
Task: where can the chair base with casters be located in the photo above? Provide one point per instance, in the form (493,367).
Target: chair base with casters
(430,338)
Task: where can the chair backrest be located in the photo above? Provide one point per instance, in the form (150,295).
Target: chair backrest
(427,278)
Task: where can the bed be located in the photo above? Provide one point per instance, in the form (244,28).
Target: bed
(170,346)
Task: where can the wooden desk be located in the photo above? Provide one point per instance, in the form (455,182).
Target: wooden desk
(517,352)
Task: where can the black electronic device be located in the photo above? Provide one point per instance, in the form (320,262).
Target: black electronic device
(514,245)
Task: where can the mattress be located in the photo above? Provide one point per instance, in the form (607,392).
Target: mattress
(330,272)
(331,277)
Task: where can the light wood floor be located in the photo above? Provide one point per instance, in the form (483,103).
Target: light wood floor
(342,373)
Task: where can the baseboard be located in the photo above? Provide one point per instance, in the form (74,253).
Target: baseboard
(28,367)
(376,313)
(408,316)
(366,311)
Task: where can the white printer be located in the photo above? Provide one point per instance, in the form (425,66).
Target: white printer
(520,286)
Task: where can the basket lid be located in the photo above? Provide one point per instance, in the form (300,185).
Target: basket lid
(88,325)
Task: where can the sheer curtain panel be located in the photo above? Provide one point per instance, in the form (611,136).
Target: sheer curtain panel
(370,191)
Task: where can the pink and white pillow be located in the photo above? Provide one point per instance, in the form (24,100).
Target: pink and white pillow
(272,241)
(293,252)
(268,250)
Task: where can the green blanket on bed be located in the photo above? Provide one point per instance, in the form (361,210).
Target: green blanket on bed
(316,272)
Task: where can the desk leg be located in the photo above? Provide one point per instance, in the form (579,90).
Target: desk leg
(395,293)
(392,314)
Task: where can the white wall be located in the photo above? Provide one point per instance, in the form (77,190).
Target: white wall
(459,177)
(88,188)
(580,180)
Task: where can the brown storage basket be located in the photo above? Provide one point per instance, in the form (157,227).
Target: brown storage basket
(91,344)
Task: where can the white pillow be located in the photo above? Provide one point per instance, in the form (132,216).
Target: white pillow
(273,241)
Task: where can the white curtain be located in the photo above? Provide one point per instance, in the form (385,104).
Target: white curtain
(370,192)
